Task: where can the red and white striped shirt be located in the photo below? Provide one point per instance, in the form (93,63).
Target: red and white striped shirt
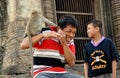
(49,55)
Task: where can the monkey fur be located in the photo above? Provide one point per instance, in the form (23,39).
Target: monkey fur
(34,25)
(36,22)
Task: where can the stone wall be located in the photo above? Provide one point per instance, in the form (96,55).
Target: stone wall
(115,7)
(3,26)
(48,10)
(17,61)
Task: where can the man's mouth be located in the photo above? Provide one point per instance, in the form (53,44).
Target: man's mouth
(68,39)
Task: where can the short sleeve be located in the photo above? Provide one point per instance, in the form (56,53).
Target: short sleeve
(85,54)
(36,46)
(72,47)
(114,52)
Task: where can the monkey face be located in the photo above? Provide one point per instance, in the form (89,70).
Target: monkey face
(36,24)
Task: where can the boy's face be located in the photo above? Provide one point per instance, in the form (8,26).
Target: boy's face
(91,30)
(69,32)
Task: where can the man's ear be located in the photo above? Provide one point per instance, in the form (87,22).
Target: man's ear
(58,27)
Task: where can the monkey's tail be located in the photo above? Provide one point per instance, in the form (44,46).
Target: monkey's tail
(30,44)
(31,53)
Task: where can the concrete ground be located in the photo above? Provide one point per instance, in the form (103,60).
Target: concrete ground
(79,69)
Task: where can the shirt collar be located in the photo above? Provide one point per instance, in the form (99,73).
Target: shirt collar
(98,42)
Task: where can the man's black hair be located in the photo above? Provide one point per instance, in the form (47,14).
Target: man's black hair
(67,20)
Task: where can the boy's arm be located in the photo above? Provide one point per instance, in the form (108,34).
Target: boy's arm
(114,68)
(86,69)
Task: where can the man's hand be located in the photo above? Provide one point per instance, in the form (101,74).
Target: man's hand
(62,37)
(52,34)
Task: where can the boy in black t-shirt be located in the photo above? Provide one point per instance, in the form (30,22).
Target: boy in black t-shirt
(100,54)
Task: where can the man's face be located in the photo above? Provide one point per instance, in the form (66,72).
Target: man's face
(69,32)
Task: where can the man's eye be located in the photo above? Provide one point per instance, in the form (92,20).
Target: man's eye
(69,31)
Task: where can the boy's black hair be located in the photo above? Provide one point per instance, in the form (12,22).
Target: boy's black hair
(96,23)
(67,20)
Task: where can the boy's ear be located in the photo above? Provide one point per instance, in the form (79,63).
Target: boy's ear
(98,29)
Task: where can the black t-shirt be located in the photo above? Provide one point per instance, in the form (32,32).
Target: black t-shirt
(100,58)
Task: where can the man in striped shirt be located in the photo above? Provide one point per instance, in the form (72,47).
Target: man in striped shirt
(54,47)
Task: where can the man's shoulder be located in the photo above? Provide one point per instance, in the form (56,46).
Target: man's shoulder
(51,28)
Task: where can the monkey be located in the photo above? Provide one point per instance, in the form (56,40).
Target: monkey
(36,23)
(34,26)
